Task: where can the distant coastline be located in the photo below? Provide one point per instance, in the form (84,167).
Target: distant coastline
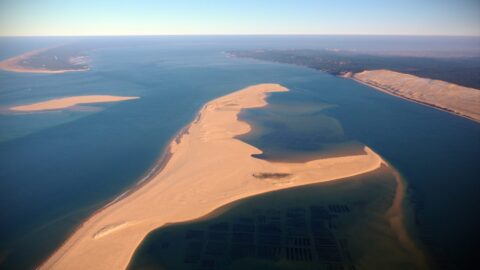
(52,60)
(463,71)
(413,84)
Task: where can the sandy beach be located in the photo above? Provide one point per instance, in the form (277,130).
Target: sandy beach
(68,102)
(207,168)
(449,97)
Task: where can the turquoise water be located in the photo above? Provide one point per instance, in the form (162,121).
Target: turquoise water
(58,167)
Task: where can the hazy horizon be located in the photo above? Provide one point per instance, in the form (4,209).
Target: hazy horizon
(226,35)
(286,17)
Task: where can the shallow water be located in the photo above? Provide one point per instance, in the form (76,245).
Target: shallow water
(58,167)
(321,226)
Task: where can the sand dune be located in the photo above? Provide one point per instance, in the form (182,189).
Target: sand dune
(207,168)
(67,102)
(450,97)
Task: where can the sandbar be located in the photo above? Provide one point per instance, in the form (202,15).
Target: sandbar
(397,219)
(453,98)
(208,167)
(67,102)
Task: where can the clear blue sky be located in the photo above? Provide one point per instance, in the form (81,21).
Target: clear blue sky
(149,17)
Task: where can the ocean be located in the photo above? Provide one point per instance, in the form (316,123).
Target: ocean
(56,168)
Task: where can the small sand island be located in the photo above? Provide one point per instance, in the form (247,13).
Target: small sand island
(48,60)
(456,99)
(207,168)
(67,102)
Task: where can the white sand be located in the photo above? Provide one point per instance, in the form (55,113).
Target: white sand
(208,168)
(446,96)
(67,102)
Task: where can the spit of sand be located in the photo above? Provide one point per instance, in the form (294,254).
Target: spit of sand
(208,168)
(67,102)
(14,64)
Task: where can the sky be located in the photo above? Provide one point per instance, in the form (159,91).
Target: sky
(241,17)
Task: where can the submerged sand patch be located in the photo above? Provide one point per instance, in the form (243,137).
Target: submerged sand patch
(67,102)
(208,168)
(336,223)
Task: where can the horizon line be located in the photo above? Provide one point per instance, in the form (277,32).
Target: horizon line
(226,35)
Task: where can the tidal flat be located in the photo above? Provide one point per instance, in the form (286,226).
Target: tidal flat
(334,225)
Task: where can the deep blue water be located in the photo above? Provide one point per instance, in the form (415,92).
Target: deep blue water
(58,167)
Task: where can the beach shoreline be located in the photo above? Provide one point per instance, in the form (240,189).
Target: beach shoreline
(187,185)
(425,103)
